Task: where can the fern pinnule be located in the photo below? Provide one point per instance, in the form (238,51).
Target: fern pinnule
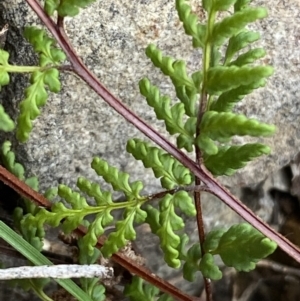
(169,170)
(165,221)
(191,23)
(44,46)
(225,125)
(238,42)
(4,76)
(248,57)
(175,69)
(222,79)
(235,23)
(227,100)
(188,99)
(241,4)
(124,230)
(172,116)
(229,159)
(118,179)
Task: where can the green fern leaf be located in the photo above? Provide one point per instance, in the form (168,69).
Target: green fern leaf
(242,247)
(90,285)
(221,79)
(36,97)
(65,8)
(222,5)
(152,218)
(191,24)
(192,261)
(165,297)
(241,4)
(170,222)
(232,25)
(30,230)
(225,125)
(119,180)
(238,42)
(249,57)
(227,100)
(172,116)
(207,5)
(206,144)
(138,290)
(170,171)
(188,99)
(215,57)
(44,46)
(212,240)
(209,268)
(229,159)
(102,219)
(6,124)
(124,230)
(187,141)
(8,159)
(4,76)
(175,69)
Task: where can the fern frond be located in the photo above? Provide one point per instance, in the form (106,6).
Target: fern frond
(90,285)
(209,268)
(241,246)
(8,160)
(221,79)
(241,4)
(191,23)
(249,57)
(188,99)
(165,221)
(238,42)
(222,5)
(119,180)
(66,7)
(4,76)
(138,290)
(232,25)
(124,230)
(44,46)
(169,170)
(228,160)
(36,97)
(175,69)
(187,141)
(6,123)
(227,100)
(191,258)
(103,218)
(172,116)
(225,125)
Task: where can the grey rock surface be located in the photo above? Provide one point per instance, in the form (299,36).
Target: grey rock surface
(111,36)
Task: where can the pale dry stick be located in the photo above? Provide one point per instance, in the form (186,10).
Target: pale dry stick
(3,33)
(63,271)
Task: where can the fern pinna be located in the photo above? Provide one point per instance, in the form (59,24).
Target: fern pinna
(203,119)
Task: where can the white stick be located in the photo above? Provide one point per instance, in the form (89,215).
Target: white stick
(62,271)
